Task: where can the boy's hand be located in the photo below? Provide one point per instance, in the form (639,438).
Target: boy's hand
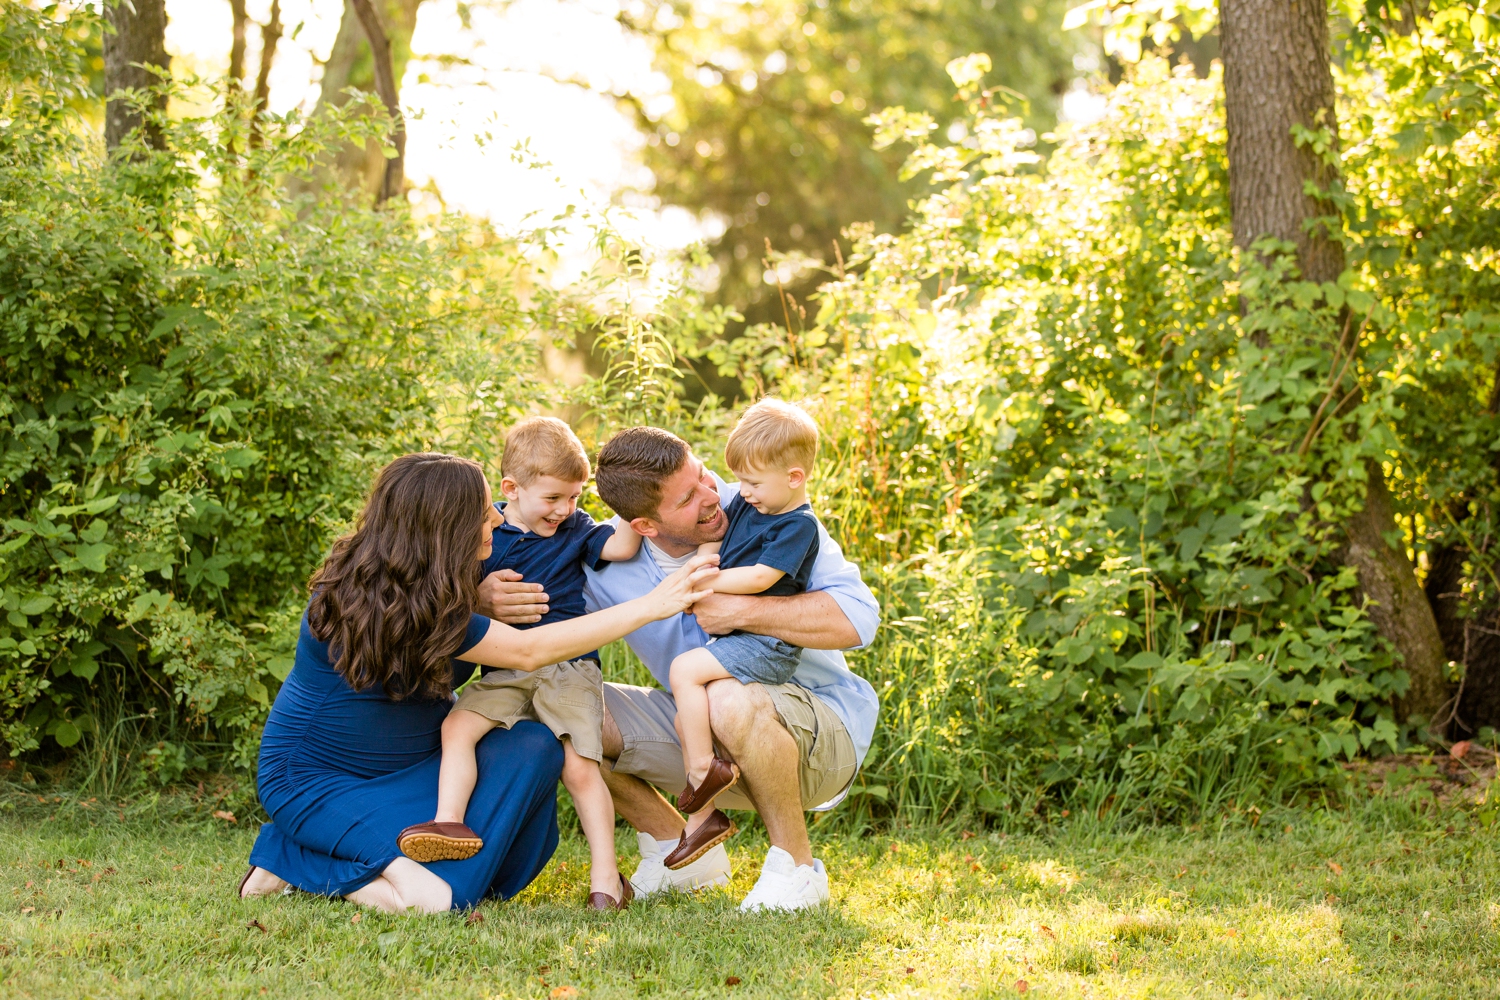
(503,597)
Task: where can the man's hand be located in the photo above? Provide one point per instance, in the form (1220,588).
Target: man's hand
(503,597)
(812,620)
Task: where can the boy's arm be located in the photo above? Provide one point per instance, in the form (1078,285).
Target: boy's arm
(746,579)
(622,545)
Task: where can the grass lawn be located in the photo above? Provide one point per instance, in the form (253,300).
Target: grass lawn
(1380,901)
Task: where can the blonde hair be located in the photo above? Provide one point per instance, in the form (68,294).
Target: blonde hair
(544,446)
(772,435)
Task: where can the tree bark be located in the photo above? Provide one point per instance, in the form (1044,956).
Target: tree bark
(138,39)
(349,64)
(386,86)
(240,20)
(1277,77)
(270,34)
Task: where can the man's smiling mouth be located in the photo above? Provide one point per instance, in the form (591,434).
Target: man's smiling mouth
(711,517)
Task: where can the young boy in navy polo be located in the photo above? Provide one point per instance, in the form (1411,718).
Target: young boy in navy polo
(548,540)
(769,548)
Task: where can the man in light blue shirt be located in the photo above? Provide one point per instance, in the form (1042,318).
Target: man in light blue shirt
(798,745)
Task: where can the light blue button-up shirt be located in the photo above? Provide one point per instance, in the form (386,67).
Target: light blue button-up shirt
(822,671)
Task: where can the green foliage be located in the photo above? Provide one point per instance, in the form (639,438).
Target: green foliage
(765,123)
(200,377)
(1097,460)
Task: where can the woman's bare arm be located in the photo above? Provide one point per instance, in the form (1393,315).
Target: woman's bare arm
(528,649)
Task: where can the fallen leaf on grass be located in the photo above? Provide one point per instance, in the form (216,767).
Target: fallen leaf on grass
(542,970)
(731,980)
(28,909)
(1335,867)
(1231,932)
(563,991)
(910,970)
(966,835)
(356,918)
(1022,986)
(225,815)
(1457,750)
(474,917)
(1047,931)
(258,926)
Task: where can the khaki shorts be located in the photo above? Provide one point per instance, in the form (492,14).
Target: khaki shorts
(651,750)
(564,697)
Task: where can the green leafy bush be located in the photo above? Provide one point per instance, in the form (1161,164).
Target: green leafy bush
(1093,456)
(201,374)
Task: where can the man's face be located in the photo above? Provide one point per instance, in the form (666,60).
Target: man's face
(689,514)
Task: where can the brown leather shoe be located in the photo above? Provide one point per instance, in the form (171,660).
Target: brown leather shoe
(604,901)
(434,841)
(714,831)
(721,776)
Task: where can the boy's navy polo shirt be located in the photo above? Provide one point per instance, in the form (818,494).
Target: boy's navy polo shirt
(787,541)
(556,562)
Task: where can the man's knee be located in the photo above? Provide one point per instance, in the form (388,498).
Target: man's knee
(733,706)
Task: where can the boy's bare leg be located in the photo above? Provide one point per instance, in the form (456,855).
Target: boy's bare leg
(745,722)
(462,730)
(641,805)
(596,814)
(690,675)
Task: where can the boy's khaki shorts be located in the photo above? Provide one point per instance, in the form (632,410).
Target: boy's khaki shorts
(565,697)
(651,750)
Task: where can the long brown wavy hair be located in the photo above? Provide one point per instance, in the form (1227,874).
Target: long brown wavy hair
(394,596)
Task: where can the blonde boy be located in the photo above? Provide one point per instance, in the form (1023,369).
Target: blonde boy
(548,540)
(769,548)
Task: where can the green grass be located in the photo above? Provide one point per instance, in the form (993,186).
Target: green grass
(1384,900)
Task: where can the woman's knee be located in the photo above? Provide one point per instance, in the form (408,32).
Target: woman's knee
(525,741)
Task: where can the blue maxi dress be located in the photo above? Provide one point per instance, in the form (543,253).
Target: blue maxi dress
(342,772)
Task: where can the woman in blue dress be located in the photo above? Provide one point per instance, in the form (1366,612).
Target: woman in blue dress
(351,750)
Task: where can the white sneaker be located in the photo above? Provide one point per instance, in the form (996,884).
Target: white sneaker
(652,877)
(784,885)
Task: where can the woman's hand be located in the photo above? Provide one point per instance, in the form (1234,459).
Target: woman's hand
(686,587)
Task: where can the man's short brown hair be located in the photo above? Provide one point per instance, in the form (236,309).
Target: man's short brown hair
(772,435)
(544,446)
(633,466)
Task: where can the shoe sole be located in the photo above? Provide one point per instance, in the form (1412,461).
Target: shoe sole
(426,847)
(705,848)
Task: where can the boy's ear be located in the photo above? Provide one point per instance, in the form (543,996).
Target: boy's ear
(796,476)
(509,488)
(644,526)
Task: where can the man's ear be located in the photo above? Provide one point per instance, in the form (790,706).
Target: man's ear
(510,489)
(796,476)
(644,526)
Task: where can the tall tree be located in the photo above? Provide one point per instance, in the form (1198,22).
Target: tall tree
(1277,77)
(764,125)
(393,176)
(351,63)
(138,40)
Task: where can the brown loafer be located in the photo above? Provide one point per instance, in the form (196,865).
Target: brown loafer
(434,841)
(721,775)
(714,831)
(604,901)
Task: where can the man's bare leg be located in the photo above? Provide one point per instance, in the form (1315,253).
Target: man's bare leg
(637,802)
(746,725)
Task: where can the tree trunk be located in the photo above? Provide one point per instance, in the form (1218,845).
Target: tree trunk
(386,86)
(1277,77)
(270,34)
(139,39)
(350,64)
(240,20)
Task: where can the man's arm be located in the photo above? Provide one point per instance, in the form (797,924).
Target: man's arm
(812,620)
(503,597)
